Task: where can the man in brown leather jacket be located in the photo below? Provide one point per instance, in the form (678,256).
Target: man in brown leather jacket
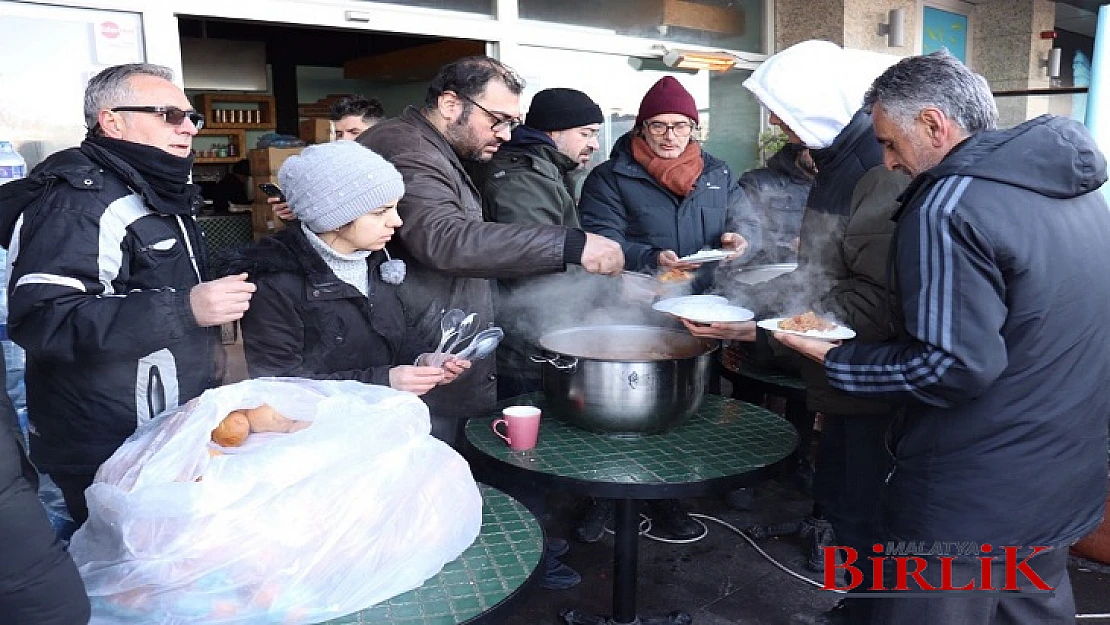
(470,109)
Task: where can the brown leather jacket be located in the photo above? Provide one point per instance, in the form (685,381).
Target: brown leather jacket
(450,252)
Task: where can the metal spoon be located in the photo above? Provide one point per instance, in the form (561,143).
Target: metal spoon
(483,344)
(466,329)
(449,327)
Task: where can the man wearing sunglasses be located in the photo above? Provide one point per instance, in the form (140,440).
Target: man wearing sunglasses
(108,288)
(471,107)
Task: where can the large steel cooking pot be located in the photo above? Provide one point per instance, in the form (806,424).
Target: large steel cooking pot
(624,378)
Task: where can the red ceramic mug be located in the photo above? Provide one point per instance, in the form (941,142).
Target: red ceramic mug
(522,426)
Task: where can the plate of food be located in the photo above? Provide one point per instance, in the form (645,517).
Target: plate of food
(675,275)
(706,256)
(808,324)
(671,304)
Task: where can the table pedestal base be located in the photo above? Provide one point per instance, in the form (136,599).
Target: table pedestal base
(574,617)
(626,535)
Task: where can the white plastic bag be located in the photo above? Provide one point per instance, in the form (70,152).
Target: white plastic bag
(289,528)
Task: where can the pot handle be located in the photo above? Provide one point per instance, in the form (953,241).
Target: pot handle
(566,366)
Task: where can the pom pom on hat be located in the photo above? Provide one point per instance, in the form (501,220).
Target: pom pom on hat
(332,184)
(667,95)
(560,109)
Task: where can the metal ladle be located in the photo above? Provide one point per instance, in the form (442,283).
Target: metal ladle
(483,344)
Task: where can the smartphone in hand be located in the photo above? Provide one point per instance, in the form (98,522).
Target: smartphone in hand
(272,190)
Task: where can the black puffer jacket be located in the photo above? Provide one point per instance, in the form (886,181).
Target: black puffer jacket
(99,298)
(842,262)
(778,194)
(38,580)
(305,322)
(622,201)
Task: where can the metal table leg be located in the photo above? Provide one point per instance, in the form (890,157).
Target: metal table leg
(626,535)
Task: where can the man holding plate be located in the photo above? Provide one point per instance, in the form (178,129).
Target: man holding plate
(999,265)
(842,267)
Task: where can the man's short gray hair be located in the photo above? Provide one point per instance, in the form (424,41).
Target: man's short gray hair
(112,87)
(936,80)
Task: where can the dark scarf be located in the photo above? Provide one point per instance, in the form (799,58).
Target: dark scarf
(676,174)
(160,177)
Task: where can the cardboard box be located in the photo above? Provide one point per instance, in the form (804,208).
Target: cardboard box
(263,220)
(267,161)
(316,130)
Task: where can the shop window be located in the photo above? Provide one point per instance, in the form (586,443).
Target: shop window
(484,7)
(53,52)
(728,24)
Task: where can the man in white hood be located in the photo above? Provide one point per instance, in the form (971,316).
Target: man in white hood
(814,91)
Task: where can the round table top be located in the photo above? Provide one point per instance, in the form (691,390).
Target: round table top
(479,582)
(726,443)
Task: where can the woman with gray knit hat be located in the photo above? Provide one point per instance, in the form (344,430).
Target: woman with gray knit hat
(326,305)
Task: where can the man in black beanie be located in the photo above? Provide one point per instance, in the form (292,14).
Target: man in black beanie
(531,180)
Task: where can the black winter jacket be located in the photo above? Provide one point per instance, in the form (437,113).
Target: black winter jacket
(842,262)
(622,201)
(99,298)
(39,582)
(305,322)
(778,194)
(1001,258)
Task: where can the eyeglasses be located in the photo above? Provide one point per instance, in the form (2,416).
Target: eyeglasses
(511,123)
(173,115)
(659,129)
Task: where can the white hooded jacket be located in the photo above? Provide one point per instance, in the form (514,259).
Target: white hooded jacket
(815,87)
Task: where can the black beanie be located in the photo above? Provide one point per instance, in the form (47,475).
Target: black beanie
(560,109)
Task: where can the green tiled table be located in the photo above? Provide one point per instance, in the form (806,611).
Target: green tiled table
(480,583)
(751,383)
(725,444)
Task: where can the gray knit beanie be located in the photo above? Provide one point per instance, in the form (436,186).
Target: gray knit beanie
(331,184)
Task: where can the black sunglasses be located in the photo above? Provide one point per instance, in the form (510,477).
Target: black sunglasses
(500,123)
(173,115)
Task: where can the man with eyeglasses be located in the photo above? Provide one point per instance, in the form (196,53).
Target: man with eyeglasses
(661,196)
(108,289)
(470,109)
(531,180)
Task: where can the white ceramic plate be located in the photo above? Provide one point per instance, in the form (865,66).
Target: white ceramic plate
(713,313)
(839,333)
(706,256)
(668,305)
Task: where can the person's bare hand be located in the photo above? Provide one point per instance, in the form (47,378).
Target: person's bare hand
(668,259)
(453,368)
(281,209)
(220,301)
(602,255)
(734,243)
(415,379)
(813,349)
(735,331)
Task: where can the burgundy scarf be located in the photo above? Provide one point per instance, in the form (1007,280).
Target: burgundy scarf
(676,174)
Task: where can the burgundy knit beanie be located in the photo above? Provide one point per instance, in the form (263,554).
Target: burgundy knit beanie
(667,96)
